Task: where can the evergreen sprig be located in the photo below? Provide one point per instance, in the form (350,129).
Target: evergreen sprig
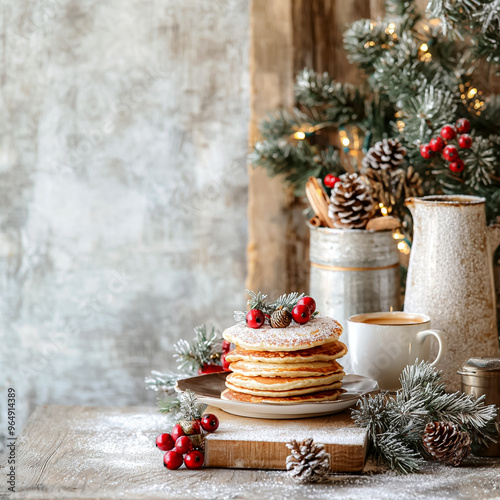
(396,425)
(193,355)
(162,381)
(258,300)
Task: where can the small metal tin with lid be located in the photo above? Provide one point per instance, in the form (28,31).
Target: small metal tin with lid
(482,376)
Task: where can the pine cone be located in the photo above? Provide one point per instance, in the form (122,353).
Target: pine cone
(386,154)
(351,203)
(407,183)
(307,462)
(280,318)
(380,182)
(446,442)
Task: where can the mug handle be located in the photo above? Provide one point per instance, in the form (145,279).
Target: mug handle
(440,337)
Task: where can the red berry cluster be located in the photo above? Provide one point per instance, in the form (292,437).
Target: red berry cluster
(179,446)
(301,313)
(212,368)
(330,180)
(450,152)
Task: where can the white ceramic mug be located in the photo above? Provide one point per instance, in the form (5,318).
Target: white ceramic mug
(382,344)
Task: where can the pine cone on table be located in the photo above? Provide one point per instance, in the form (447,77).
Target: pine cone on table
(351,203)
(308,462)
(445,442)
(407,183)
(386,154)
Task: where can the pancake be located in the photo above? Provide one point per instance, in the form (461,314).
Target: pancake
(325,352)
(282,394)
(258,369)
(318,331)
(282,384)
(308,398)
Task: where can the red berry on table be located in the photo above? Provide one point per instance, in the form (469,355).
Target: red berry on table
(226,346)
(426,151)
(184,445)
(301,314)
(255,318)
(450,153)
(165,442)
(457,166)
(436,144)
(448,132)
(465,141)
(463,125)
(172,460)
(194,460)
(330,180)
(209,422)
(309,302)
(177,432)
(210,368)
(225,363)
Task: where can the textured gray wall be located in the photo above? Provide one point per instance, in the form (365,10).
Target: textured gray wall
(123,189)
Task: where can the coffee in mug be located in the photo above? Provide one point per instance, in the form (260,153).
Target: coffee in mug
(382,344)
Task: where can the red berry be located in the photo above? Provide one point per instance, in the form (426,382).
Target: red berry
(309,302)
(172,460)
(436,144)
(457,166)
(184,445)
(450,153)
(463,125)
(165,442)
(330,180)
(448,132)
(301,314)
(209,422)
(194,460)
(255,318)
(210,368)
(465,141)
(426,151)
(177,432)
(225,363)
(226,346)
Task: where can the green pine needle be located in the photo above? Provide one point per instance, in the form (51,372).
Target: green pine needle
(396,425)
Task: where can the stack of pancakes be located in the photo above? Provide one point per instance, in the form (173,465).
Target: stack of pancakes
(296,364)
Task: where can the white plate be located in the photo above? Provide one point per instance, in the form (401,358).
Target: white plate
(208,389)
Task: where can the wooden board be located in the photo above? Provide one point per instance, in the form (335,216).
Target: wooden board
(251,443)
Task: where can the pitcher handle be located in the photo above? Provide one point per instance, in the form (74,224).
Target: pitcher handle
(494,237)
(440,337)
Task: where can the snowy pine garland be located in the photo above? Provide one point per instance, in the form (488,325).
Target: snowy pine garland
(396,424)
(420,77)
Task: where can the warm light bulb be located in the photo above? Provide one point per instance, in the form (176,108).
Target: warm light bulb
(299,135)
(391,28)
(471,93)
(403,247)
(424,47)
(345,141)
(384,211)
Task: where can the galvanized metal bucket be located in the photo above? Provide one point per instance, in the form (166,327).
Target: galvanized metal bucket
(353,271)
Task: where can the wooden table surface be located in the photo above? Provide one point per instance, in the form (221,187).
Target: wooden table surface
(86,452)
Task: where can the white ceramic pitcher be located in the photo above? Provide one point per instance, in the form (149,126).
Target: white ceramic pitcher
(450,277)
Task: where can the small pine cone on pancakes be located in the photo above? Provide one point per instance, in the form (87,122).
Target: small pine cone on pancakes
(386,154)
(280,318)
(308,462)
(351,204)
(445,442)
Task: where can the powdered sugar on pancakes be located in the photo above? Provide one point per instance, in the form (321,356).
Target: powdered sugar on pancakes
(318,331)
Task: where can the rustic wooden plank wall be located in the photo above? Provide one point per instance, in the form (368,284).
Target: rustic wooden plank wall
(306,33)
